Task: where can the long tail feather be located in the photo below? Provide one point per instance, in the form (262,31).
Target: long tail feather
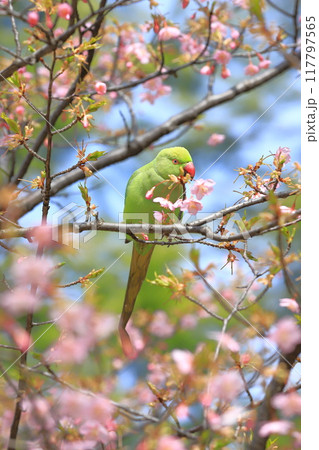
(141,256)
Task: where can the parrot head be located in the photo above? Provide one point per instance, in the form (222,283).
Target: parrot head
(173,161)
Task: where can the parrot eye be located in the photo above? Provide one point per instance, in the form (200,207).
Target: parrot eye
(175,161)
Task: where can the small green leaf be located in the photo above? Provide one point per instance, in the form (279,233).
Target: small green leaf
(84,191)
(95,155)
(96,106)
(14,79)
(95,273)
(14,126)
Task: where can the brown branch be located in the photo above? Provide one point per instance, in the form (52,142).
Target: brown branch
(163,230)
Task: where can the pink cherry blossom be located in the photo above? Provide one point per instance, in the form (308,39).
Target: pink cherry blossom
(159,216)
(226,341)
(157,373)
(191,205)
(229,295)
(184,361)
(43,236)
(199,291)
(136,336)
(160,325)
(182,411)
(33,18)
(242,3)
(288,403)
(190,46)
(33,270)
(215,139)
(69,349)
(286,334)
(139,50)
(19,301)
(201,187)
(21,337)
(290,303)
(81,407)
(65,10)
(222,56)
(156,84)
(264,64)
(48,21)
(228,418)
(275,427)
(168,32)
(94,431)
(286,210)
(100,87)
(245,359)
(225,73)
(234,34)
(57,32)
(20,110)
(170,443)
(226,386)
(38,411)
(165,203)
(158,89)
(282,156)
(216,25)
(207,70)
(251,69)
(189,321)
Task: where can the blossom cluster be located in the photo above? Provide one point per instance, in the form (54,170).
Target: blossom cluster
(192,205)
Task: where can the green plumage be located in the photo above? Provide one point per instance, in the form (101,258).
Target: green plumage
(138,209)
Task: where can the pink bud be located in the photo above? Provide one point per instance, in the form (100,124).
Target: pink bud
(48,21)
(85,122)
(33,18)
(100,87)
(234,33)
(244,359)
(251,69)
(113,95)
(225,72)
(65,10)
(20,110)
(207,70)
(149,194)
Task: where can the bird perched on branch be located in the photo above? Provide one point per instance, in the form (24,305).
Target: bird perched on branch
(158,184)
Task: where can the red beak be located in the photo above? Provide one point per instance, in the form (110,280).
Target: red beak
(190,168)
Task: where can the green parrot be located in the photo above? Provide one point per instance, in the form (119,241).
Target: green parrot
(153,177)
